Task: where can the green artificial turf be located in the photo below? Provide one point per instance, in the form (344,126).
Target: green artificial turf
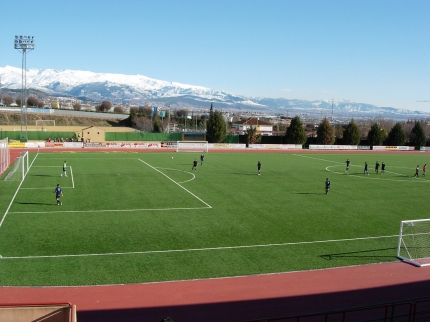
(144,217)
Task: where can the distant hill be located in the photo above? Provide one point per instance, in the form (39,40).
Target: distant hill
(138,90)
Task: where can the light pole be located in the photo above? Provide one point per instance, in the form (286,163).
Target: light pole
(24,44)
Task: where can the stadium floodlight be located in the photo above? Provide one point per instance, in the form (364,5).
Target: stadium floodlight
(24,44)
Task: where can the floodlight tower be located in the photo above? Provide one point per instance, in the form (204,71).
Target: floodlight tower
(24,44)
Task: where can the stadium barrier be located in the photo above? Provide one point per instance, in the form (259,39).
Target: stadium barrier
(61,312)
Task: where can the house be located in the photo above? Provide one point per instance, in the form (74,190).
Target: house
(92,134)
(263,127)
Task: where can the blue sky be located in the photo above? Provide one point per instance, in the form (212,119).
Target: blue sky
(369,51)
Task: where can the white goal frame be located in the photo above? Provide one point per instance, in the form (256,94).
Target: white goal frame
(192,146)
(414,246)
(45,122)
(4,155)
(20,168)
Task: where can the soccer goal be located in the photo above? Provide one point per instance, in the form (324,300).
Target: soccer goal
(192,146)
(4,155)
(45,122)
(19,169)
(414,242)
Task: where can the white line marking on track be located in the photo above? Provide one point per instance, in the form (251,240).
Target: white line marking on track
(198,249)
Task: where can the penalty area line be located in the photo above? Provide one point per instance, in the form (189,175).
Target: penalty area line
(149,252)
(106,210)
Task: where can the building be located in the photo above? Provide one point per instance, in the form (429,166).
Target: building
(263,127)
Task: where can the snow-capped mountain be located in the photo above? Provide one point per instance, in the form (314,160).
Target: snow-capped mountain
(139,89)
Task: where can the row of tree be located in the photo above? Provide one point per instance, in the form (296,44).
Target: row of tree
(31,101)
(325,134)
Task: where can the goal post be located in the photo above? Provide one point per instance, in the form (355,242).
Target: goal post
(19,169)
(414,242)
(4,155)
(192,146)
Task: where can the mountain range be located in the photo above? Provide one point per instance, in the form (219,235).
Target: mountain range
(139,90)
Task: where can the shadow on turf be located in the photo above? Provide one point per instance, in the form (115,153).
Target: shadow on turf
(42,175)
(359,254)
(37,203)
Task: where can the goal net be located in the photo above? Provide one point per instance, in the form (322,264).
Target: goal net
(192,146)
(45,122)
(414,242)
(4,155)
(19,168)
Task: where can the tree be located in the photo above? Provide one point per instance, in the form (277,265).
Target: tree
(105,106)
(418,137)
(32,101)
(295,133)
(338,132)
(252,136)
(7,100)
(18,101)
(325,133)
(77,106)
(40,104)
(215,127)
(396,136)
(118,109)
(351,136)
(376,135)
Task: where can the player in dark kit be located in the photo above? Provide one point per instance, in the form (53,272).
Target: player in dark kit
(58,194)
(376,167)
(417,171)
(194,165)
(366,168)
(383,168)
(424,170)
(259,167)
(327,186)
(347,164)
(202,158)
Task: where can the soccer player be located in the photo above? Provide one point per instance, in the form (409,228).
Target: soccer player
(382,168)
(376,167)
(58,194)
(194,165)
(366,168)
(347,164)
(417,171)
(259,167)
(424,169)
(327,186)
(64,169)
(202,158)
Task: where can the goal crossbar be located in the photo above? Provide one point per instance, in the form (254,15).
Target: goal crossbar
(414,242)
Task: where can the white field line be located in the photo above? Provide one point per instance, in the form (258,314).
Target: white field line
(198,249)
(379,176)
(192,174)
(175,183)
(105,210)
(73,179)
(16,192)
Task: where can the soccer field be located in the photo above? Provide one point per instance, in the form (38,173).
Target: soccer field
(144,217)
